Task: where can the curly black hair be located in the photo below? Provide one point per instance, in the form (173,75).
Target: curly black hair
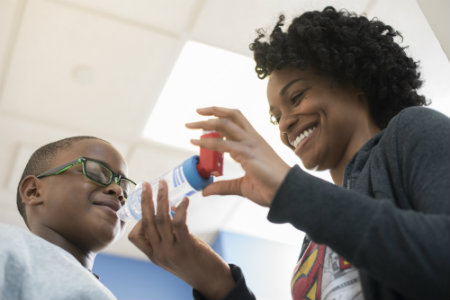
(350,49)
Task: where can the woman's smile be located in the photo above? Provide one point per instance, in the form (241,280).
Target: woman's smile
(302,139)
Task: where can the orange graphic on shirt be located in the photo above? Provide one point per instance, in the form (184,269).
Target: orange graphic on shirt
(307,280)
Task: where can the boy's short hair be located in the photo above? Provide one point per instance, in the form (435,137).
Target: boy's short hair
(41,160)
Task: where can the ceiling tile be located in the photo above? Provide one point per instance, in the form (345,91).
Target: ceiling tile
(171,15)
(437,14)
(23,154)
(8,15)
(23,137)
(86,72)
(232,24)
(422,45)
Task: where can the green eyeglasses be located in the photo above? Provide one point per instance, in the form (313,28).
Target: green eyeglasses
(96,172)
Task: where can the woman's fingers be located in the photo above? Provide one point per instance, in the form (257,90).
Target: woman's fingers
(138,237)
(144,233)
(180,228)
(223,187)
(223,112)
(239,151)
(159,228)
(225,127)
(162,219)
(226,115)
(219,145)
(148,215)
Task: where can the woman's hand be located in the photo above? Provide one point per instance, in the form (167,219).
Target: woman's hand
(168,244)
(264,169)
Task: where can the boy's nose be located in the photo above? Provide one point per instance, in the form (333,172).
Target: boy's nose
(114,189)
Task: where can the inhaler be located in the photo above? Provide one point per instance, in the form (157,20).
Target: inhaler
(191,176)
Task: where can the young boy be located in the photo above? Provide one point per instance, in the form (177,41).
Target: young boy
(68,196)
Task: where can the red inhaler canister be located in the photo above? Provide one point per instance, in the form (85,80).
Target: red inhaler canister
(210,161)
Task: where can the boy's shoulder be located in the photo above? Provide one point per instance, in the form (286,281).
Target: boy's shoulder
(19,241)
(23,251)
(31,267)
(7,230)
(12,236)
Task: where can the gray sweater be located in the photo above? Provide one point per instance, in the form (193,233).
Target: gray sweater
(33,268)
(392,219)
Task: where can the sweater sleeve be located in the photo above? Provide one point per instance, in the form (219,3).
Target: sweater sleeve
(240,290)
(408,250)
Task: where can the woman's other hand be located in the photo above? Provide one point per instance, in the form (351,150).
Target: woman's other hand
(168,244)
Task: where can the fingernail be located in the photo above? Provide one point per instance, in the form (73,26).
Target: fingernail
(160,185)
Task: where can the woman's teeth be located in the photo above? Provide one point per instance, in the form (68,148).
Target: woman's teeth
(302,136)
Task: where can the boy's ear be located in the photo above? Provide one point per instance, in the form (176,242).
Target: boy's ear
(30,190)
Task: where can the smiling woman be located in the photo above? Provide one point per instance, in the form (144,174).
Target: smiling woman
(344,95)
(323,123)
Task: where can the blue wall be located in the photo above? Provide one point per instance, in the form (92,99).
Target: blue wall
(267,265)
(136,279)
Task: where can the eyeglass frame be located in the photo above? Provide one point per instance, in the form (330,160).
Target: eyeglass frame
(82,160)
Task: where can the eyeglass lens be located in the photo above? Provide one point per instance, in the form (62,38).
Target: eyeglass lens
(97,172)
(103,175)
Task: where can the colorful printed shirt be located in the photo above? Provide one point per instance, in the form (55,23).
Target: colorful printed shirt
(322,274)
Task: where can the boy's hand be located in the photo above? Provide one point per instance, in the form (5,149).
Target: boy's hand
(168,244)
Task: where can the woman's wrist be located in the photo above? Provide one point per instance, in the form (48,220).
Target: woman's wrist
(219,285)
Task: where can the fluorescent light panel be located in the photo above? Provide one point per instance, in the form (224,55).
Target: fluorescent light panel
(205,76)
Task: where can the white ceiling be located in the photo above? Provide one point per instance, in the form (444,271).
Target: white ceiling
(72,67)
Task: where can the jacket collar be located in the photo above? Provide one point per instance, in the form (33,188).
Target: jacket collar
(359,160)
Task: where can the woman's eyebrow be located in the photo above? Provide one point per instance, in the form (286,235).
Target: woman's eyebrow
(284,89)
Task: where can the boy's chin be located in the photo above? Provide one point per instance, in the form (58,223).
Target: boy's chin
(109,235)
(123,228)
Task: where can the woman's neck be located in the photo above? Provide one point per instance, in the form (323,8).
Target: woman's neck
(358,140)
